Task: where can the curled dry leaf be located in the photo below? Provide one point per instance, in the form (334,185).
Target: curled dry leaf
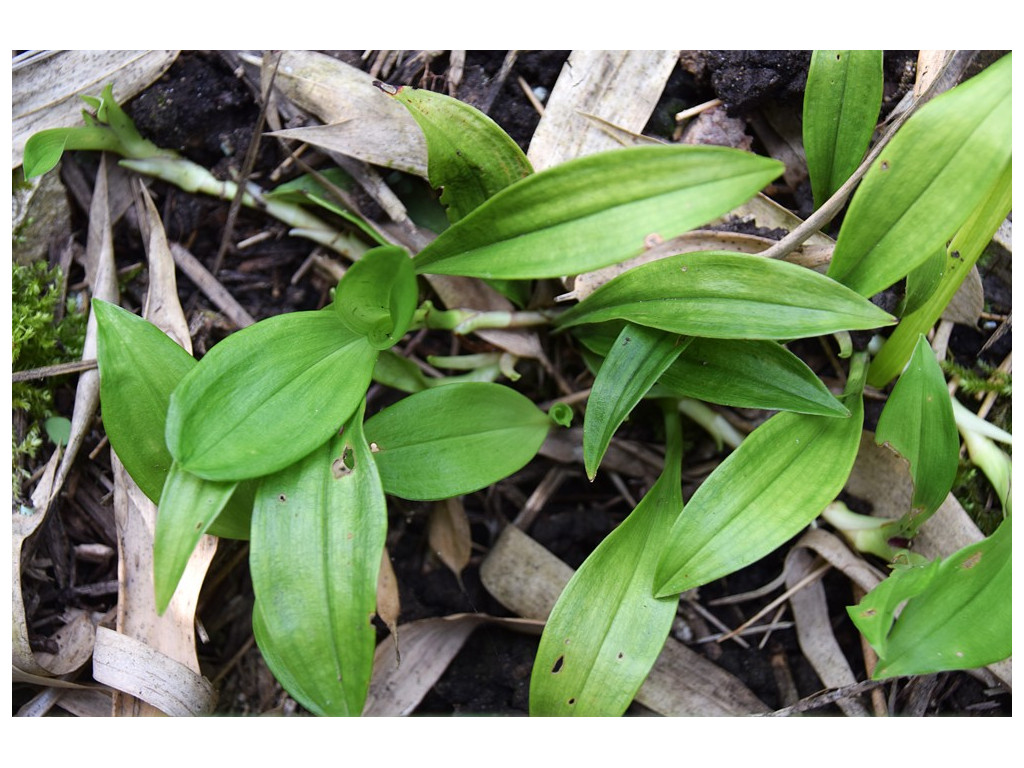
(527,579)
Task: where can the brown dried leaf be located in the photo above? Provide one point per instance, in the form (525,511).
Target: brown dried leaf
(389,605)
(448,534)
(968,302)
(355,112)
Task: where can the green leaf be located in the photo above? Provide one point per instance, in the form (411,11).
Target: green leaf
(139,368)
(607,629)
(596,210)
(724,295)
(377,296)
(922,282)
(962,620)
(267,395)
(841,104)
(318,532)
(469,157)
(926,182)
(455,439)
(875,613)
(777,481)
(961,254)
(635,361)
(740,373)
(917,422)
(188,506)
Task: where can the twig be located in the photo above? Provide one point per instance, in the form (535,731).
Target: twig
(53,370)
(824,698)
(806,580)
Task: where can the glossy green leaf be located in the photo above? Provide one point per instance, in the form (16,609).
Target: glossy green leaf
(377,296)
(635,361)
(737,372)
(318,532)
(188,506)
(607,629)
(235,520)
(455,439)
(723,295)
(268,395)
(961,620)
(469,157)
(841,104)
(926,182)
(777,481)
(917,422)
(961,254)
(596,210)
(139,368)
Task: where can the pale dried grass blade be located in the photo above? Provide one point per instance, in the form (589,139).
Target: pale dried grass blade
(617,87)
(46,85)
(448,534)
(171,635)
(814,630)
(355,112)
(135,668)
(208,284)
(428,647)
(527,579)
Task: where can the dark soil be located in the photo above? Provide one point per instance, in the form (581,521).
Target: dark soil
(201,108)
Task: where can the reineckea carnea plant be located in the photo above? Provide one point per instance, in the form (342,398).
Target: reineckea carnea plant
(267,437)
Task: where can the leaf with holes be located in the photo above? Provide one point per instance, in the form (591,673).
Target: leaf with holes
(607,628)
(318,532)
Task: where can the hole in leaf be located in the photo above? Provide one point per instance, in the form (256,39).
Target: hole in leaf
(282,498)
(558,665)
(571,701)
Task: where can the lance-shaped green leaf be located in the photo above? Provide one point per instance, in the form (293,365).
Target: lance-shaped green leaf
(922,282)
(596,210)
(777,481)
(318,532)
(377,296)
(139,368)
(961,254)
(926,182)
(737,372)
(469,157)
(607,628)
(455,439)
(917,422)
(724,295)
(268,395)
(188,506)
(959,618)
(635,361)
(841,103)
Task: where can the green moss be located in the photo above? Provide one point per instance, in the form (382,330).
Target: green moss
(37,341)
